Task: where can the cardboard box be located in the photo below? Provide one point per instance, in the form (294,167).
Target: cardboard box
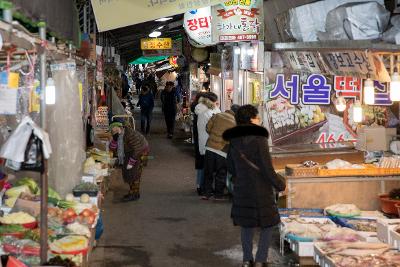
(375,138)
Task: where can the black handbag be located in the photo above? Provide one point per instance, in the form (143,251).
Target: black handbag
(34,159)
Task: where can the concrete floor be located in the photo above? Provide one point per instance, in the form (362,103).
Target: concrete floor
(169,225)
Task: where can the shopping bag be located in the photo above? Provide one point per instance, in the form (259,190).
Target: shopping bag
(33,160)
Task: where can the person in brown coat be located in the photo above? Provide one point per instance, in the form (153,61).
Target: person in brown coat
(215,169)
(132,149)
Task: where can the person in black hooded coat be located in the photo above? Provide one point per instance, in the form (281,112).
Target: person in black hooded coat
(255,183)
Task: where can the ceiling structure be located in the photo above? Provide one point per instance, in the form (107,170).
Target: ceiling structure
(126,40)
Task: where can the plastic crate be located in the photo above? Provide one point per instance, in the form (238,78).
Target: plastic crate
(298,170)
(383,229)
(302,249)
(319,255)
(319,212)
(394,238)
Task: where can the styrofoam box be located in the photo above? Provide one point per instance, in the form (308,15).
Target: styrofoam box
(319,255)
(383,229)
(302,249)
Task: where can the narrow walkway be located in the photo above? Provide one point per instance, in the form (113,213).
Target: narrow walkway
(169,225)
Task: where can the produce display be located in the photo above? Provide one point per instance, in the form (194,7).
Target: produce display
(85,188)
(363,225)
(73,244)
(343,210)
(17,218)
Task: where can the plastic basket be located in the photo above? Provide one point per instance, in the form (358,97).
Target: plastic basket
(300,171)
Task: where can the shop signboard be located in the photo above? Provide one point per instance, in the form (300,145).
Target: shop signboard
(238,20)
(112,14)
(302,110)
(306,61)
(197,24)
(155,43)
(176,50)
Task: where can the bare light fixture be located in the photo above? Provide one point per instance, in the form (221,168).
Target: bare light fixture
(163,19)
(340,104)
(236,50)
(155,34)
(395,86)
(357,112)
(369,92)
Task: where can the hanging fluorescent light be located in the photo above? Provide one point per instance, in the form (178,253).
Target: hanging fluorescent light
(357,112)
(369,92)
(340,104)
(236,50)
(163,19)
(50,92)
(250,51)
(395,86)
(155,34)
(159,28)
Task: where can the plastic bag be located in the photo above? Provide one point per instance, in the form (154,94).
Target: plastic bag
(33,155)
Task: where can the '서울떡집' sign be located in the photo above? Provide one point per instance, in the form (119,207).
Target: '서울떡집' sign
(238,20)
(156,43)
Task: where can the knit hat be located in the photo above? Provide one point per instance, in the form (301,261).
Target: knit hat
(115,124)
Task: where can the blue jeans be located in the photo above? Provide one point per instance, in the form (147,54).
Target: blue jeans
(200,178)
(145,121)
(247,235)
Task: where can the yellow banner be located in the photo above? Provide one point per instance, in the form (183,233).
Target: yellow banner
(112,14)
(156,43)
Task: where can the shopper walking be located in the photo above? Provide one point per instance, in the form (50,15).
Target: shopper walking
(169,100)
(206,108)
(215,169)
(132,150)
(146,104)
(255,183)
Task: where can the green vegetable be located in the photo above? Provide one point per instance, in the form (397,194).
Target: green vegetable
(63,204)
(86,187)
(12,228)
(17,190)
(51,193)
(32,184)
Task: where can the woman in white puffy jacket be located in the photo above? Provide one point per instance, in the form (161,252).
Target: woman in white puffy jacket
(206,108)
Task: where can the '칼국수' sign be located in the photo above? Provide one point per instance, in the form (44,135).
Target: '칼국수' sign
(238,20)
(155,43)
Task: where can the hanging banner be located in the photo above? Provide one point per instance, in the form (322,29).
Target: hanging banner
(176,50)
(235,21)
(155,43)
(112,14)
(197,24)
(303,111)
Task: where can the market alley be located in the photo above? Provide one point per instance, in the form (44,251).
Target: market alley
(169,225)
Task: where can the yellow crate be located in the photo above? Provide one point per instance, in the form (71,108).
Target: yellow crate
(369,170)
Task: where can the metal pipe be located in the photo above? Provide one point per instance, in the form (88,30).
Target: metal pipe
(7,12)
(84,18)
(43,176)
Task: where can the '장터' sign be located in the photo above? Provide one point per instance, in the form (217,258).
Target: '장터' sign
(155,43)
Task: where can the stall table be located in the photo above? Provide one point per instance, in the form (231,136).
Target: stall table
(320,192)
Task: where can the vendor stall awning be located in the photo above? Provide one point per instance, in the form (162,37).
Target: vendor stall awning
(147,60)
(116,14)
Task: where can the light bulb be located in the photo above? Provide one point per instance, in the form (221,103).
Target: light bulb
(395,87)
(369,92)
(236,50)
(340,104)
(50,92)
(155,34)
(357,112)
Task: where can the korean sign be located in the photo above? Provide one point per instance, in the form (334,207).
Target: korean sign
(197,24)
(238,20)
(112,14)
(176,50)
(155,43)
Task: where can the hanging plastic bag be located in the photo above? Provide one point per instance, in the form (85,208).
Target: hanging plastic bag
(33,160)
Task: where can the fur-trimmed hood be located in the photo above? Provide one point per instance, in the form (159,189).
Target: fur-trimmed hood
(245,130)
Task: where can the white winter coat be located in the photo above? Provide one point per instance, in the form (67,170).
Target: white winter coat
(204,112)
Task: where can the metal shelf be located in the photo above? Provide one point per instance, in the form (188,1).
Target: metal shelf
(338,45)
